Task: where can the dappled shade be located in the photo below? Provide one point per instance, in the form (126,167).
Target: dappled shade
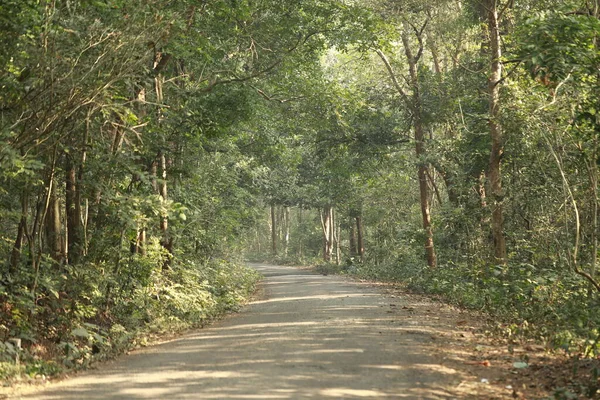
(309,336)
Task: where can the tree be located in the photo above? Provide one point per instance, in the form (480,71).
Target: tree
(493,15)
(414,103)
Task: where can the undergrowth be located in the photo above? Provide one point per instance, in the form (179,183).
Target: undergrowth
(60,333)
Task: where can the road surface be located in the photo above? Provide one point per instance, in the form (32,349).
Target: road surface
(308,336)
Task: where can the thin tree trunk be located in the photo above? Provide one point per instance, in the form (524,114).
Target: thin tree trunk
(450,187)
(360,242)
(594,170)
(166,241)
(592,167)
(414,103)
(52,240)
(140,244)
(496,134)
(419,129)
(332,234)
(273,231)
(286,238)
(73,211)
(15,256)
(78,193)
(54,226)
(160,61)
(300,224)
(338,247)
(352,234)
(326,220)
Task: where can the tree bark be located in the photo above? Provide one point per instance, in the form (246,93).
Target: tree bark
(273,231)
(166,241)
(326,225)
(54,242)
(352,234)
(300,224)
(15,256)
(414,103)
(494,169)
(338,246)
(419,131)
(360,242)
(286,230)
(73,211)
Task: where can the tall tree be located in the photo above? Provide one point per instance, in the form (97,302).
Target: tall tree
(493,12)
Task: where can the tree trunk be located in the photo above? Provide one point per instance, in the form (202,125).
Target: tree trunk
(54,240)
(73,211)
(594,171)
(419,131)
(286,230)
(352,236)
(449,182)
(140,242)
(360,243)
(15,256)
(166,241)
(273,231)
(331,231)
(326,224)
(300,224)
(414,103)
(494,169)
(338,245)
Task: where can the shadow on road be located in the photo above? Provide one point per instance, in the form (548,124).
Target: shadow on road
(311,337)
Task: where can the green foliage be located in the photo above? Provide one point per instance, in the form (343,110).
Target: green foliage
(142,143)
(558,44)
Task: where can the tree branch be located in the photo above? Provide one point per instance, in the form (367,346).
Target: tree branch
(236,79)
(272,97)
(393,76)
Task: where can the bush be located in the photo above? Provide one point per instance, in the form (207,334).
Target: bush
(104,314)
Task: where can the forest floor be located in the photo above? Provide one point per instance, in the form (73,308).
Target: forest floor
(313,336)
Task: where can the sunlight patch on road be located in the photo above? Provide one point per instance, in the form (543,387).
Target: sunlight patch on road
(392,367)
(319,297)
(429,367)
(436,368)
(356,308)
(327,351)
(159,377)
(270,325)
(222,396)
(341,392)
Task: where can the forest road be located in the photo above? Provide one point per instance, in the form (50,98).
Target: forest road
(308,336)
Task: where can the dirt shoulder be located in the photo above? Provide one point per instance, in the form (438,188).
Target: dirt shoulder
(491,365)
